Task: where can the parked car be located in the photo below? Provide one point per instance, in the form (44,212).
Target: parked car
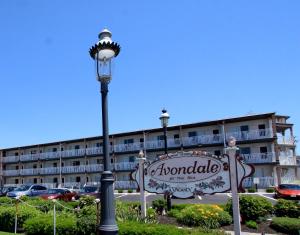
(60,194)
(90,191)
(4,190)
(73,188)
(27,190)
(288,191)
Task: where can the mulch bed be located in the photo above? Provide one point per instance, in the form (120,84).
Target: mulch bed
(262,227)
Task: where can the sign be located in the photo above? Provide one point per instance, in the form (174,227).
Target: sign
(184,174)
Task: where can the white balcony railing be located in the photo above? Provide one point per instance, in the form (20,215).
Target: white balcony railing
(94,168)
(202,139)
(9,159)
(73,153)
(259,157)
(286,140)
(11,172)
(124,166)
(50,155)
(31,171)
(73,169)
(251,135)
(125,185)
(49,170)
(94,151)
(128,147)
(264,182)
(287,160)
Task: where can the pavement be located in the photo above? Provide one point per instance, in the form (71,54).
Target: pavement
(246,233)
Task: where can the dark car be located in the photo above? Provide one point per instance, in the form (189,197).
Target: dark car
(27,190)
(90,191)
(60,194)
(4,190)
(288,191)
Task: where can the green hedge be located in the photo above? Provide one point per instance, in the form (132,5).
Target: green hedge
(7,217)
(253,207)
(285,208)
(134,228)
(286,225)
(43,225)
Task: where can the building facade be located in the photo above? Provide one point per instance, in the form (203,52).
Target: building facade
(265,140)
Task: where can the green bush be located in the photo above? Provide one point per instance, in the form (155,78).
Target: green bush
(127,211)
(176,209)
(120,190)
(86,201)
(270,190)
(251,224)
(7,217)
(286,225)
(205,216)
(6,201)
(130,191)
(135,228)
(253,208)
(43,225)
(251,190)
(159,205)
(285,208)
(86,220)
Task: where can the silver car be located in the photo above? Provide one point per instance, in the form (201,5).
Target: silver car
(27,190)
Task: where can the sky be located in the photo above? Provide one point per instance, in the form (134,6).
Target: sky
(201,60)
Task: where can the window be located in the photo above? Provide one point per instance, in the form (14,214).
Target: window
(33,151)
(111,160)
(63,180)
(54,150)
(16,154)
(17,167)
(77,179)
(176,136)
(35,180)
(132,159)
(87,179)
(244,130)
(192,134)
(217,152)
(141,140)
(128,141)
(62,164)
(77,146)
(86,162)
(216,136)
(55,180)
(76,163)
(61,149)
(264,152)
(176,139)
(55,164)
(216,132)
(16,181)
(245,150)
(41,181)
(99,161)
(263,149)
(34,166)
(160,137)
(262,129)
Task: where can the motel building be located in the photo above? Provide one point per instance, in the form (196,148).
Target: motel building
(265,140)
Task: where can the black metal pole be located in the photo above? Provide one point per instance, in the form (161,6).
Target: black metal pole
(108,224)
(169,204)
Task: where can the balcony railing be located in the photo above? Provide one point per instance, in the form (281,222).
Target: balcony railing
(32,171)
(259,157)
(151,144)
(285,140)
(264,182)
(287,160)
(11,172)
(251,135)
(49,170)
(124,166)
(10,159)
(125,185)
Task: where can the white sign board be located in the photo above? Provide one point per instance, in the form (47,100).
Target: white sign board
(256,180)
(184,174)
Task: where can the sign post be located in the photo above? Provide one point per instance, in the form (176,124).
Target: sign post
(141,184)
(256,182)
(231,151)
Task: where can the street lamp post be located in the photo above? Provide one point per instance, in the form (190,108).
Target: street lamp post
(103,53)
(164,118)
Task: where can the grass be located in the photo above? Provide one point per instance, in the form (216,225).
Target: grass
(5,233)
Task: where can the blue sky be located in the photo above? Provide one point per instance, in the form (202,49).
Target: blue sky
(202,60)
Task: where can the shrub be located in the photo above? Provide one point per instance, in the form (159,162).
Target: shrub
(251,190)
(86,201)
(252,207)
(251,224)
(270,190)
(130,191)
(7,217)
(43,225)
(120,190)
(127,211)
(176,209)
(159,205)
(6,201)
(205,216)
(86,220)
(285,208)
(135,228)
(286,225)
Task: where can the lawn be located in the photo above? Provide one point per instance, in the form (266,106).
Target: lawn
(5,233)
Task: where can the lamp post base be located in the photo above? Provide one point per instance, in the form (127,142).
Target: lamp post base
(108,224)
